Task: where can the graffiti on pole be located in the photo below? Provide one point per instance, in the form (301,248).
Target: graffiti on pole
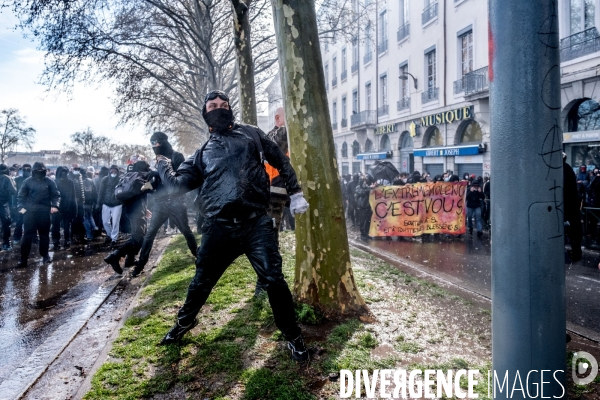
(419,208)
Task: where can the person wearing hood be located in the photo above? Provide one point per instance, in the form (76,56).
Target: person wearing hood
(8,190)
(350,188)
(234,189)
(91,196)
(111,207)
(25,173)
(104,171)
(134,211)
(76,176)
(66,211)
(37,199)
(165,207)
(363,208)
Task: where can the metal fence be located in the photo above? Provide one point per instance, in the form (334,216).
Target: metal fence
(344,75)
(382,47)
(429,95)
(429,13)
(334,82)
(383,110)
(354,67)
(403,31)
(403,104)
(368,117)
(344,122)
(368,57)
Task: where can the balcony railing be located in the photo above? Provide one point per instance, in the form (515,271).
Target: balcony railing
(344,122)
(473,82)
(383,110)
(403,31)
(429,13)
(368,57)
(363,118)
(382,47)
(579,44)
(334,82)
(334,126)
(344,75)
(403,104)
(429,95)
(354,67)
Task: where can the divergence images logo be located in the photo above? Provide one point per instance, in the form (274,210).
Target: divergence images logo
(584,363)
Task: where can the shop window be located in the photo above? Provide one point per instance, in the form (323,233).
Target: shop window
(585,117)
(385,144)
(406,141)
(368,146)
(344,150)
(355,148)
(471,133)
(433,137)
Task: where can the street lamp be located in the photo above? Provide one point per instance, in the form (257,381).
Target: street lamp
(404,77)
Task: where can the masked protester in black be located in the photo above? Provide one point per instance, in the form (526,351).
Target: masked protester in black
(234,191)
(165,206)
(7,191)
(26,173)
(78,228)
(37,199)
(135,211)
(67,210)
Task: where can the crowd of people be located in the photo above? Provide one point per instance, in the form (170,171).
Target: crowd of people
(356,190)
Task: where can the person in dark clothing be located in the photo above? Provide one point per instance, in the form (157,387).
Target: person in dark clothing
(572,212)
(91,196)
(474,199)
(104,171)
(78,229)
(486,203)
(165,207)
(350,189)
(234,187)
(26,173)
(8,190)
(135,211)
(37,199)
(363,208)
(111,207)
(67,210)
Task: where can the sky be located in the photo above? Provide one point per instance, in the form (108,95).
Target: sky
(55,116)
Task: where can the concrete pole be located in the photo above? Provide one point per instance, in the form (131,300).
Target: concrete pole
(528,277)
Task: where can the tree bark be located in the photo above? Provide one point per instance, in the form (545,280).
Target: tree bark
(324,276)
(241,34)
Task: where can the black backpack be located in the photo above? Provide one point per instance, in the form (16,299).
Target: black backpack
(130,186)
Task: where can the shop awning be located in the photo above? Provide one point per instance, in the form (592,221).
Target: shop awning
(374,156)
(581,136)
(449,151)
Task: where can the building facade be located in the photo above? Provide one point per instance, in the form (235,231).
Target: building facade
(412,87)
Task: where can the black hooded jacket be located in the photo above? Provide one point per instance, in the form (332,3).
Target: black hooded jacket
(8,188)
(106,191)
(79,192)
(66,187)
(161,193)
(38,194)
(232,180)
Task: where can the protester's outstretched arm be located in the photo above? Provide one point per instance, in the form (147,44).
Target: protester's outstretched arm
(187,177)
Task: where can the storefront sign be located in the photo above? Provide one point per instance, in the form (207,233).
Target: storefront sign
(448,151)
(413,210)
(389,128)
(584,136)
(412,129)
(448,117)
(374,156)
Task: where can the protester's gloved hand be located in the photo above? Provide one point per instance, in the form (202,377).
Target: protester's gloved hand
(22,211)
(147,186)
(298,204)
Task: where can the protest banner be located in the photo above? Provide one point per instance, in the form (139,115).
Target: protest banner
(419,208)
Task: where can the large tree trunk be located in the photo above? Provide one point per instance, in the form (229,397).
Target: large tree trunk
(324,275)
(241,33)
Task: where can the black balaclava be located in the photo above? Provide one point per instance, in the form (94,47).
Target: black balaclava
(62,172)
(140,166)
(219,120)
(164,148)
(26,170)
(3,169)
(38,171)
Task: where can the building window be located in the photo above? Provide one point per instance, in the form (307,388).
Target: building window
(404,82)
(344,115)
(431,73)
(344,70)
(368,146)
(354,55)
(383,38)
(585,117)
(385,144)
(334,67)
(403,12)
(433,137)
(471,133)
(355,101)
(334,112)
(344,150)
(466,53)
(326,76)
(583,14)
(383,109)
(368,44)
(368,96)
(355,148)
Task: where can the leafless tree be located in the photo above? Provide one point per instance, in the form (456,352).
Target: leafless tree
(14,132)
